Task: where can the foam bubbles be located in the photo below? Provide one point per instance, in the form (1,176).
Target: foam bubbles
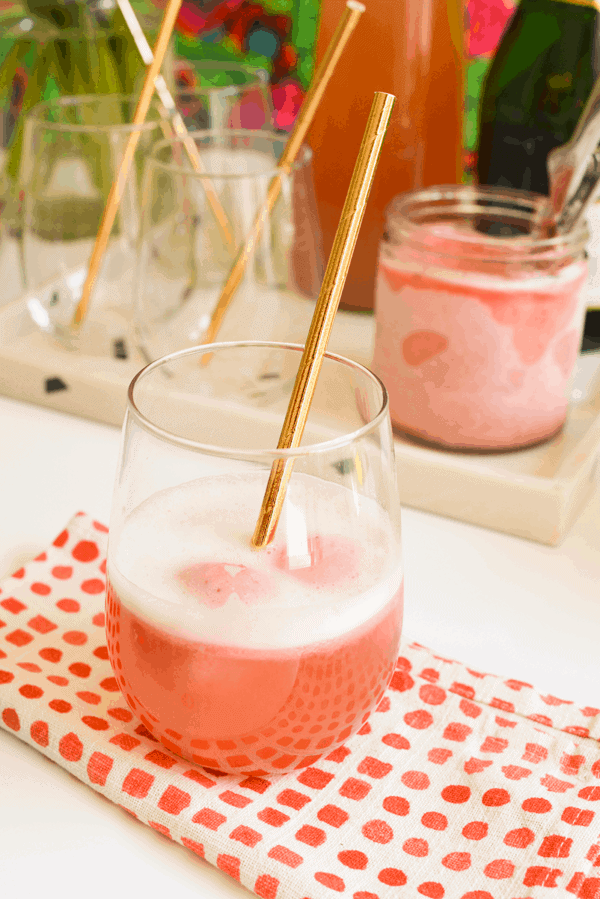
(183,560)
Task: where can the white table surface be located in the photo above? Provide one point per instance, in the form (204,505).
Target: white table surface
(496,602)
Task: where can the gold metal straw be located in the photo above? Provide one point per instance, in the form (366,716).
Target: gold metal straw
(177,122)
(118,185)
(346,26)
(324,314)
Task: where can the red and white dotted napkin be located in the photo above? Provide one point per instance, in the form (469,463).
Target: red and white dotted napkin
(462,785)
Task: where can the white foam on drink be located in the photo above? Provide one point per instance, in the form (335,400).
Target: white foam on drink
(211,520)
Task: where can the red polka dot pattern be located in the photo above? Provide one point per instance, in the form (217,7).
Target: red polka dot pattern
(475,830)
(495,797)
(456,793)
(499,869)
(60,705)
(416,847)
(455,788)
(71,747)
(75,638)
(39,733)
(11,719)
(29,666)
(432,889)
(93,586)
(457,861)
(86,551)
(415,780)
(378,831)
(99,767)
(434,820)
(68,605)
(62,572)
(30,691)
(352,858)
(392,877)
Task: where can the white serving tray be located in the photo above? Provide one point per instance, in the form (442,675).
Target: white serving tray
(535,493)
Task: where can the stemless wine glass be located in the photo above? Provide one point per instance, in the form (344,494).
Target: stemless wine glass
(225,95)
(241,660)
(184,261)
(72,151)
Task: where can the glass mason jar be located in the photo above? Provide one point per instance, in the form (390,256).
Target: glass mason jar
(479,322)
(241,660)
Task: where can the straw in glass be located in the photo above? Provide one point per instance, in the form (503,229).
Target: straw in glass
(177,122)
(118,186)
(346,26)
(324,314)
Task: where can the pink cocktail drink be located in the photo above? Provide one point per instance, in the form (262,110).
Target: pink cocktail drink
(244,661)
(477,336)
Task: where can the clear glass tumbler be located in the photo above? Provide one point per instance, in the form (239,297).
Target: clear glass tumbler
(224,95)
(72,150)
(241,660)
(184,260)
(478,320)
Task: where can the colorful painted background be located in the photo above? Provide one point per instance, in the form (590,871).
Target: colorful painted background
(276,35)
(279,36)
(485,21)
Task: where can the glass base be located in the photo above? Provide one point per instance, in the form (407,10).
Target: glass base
(419,440)
(106,328)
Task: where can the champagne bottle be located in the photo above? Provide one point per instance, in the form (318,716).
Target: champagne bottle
(535,90)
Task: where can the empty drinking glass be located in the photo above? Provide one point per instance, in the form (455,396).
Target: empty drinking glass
(225,95)
(72,151)
(184,259)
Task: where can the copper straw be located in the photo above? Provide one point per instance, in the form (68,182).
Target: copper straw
(177,122)
(346,26)
(324,314)
(118,185)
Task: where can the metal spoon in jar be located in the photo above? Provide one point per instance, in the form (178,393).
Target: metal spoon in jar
(574,170)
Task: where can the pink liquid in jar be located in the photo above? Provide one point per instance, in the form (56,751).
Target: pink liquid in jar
(234,659)
(476,338)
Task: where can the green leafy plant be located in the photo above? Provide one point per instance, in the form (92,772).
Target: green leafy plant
(66,47)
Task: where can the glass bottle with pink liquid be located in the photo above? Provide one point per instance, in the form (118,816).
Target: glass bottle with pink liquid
(479,321)
(241,660)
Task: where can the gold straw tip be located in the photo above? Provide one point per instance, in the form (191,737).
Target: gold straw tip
(356,6)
